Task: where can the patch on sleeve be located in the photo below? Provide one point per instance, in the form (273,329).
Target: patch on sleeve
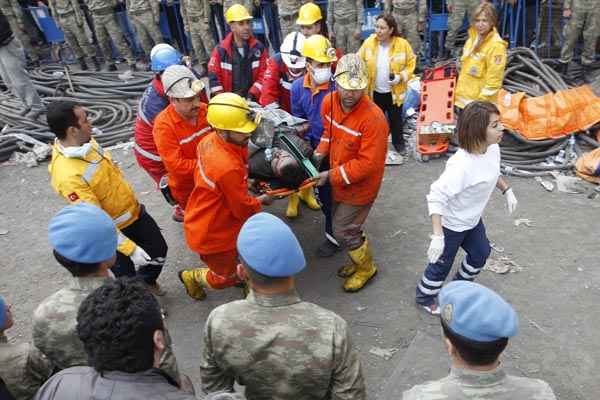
(73,196)
(498,59)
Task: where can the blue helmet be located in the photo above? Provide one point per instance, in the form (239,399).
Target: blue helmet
(163,56)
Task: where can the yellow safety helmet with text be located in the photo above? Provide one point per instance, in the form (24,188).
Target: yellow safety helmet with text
(309,14)
(237,13)
(351,73)
(318,48)
(230,112)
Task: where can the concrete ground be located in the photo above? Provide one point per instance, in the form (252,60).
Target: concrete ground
(556,293)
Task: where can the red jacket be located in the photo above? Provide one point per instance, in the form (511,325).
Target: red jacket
(220,66)
(152,102)
(357,145)
(176,141)
(219,204)
(277,84)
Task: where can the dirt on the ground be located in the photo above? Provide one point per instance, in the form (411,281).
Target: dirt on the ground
(555,290)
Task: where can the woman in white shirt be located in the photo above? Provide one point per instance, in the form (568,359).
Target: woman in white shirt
(390,62)
(458,198)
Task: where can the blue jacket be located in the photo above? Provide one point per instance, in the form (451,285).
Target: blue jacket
(307,106)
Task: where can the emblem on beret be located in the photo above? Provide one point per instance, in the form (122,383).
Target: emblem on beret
(447,313)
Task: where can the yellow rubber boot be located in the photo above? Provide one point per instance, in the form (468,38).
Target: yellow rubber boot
(365,268)
(307,195)
(292,208)
(194,281)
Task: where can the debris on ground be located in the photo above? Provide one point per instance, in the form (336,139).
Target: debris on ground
(386,354)
(570,184)
(524,221)
(393,158)
(497,248)
(502,265)
(28,159)
(549,186)
(3,232)
(361,308)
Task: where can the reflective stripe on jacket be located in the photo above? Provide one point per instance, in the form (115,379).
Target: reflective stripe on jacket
(95,179)
(220,203)
(402,62)
(481,72)
(357,145)
(176,141)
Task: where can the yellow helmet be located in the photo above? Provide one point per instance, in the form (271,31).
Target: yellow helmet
(236,13)
(351,73)
(309,14)
(230,112)
(318,48)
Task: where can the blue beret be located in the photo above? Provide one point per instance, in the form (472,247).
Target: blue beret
(476,312)
(268,246)
(83,233)
(2,313)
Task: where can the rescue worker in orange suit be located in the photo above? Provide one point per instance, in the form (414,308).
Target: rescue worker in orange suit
(355,138)
(179,128)
(239,62)
(282,69)
(220,203)
(81,170)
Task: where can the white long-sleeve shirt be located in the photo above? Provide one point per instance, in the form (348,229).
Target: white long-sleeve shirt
(463,190)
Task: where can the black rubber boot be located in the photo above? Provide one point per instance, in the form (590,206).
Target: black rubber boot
(587,71)
(97,65)
(83,64)
(133,67)
(112,67)
(563,68)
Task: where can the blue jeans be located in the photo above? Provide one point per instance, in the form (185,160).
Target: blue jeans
(474,242)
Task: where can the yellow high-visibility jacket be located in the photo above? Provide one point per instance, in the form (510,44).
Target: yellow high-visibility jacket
(481,72)
(95,179)
(402,62)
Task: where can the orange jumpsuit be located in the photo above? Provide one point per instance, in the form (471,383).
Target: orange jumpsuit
(176,140)
(218,207)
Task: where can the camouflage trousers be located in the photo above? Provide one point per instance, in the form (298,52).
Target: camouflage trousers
(344,36)
(75,36)
(201,37)
(287,23)
(146,29)
(24,38)
(107,28)
(586,21)
(15,77)
(407,26)
(456,18)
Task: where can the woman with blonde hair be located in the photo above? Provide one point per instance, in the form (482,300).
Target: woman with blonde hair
(390,63)
(483,59)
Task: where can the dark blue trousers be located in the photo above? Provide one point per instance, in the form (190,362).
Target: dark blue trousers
(474,242)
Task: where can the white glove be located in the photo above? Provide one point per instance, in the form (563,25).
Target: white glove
(436,248)
(140,257)
(396,80)
(511,200)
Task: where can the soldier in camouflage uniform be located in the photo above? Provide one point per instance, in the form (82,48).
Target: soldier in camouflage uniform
(344,20)
(196,17)
(288,14)
(275,344)
(477,324)
(145,17)
(107,28)
(70,19)
(13,12)
(22,367)
(80,234)
(410,19)
(582,16)
(457,10)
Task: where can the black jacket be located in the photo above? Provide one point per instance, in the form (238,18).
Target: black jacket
(6,34)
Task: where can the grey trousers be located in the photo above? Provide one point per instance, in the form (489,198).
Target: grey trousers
(14,75)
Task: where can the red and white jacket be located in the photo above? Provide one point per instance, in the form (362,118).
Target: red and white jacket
(276,84)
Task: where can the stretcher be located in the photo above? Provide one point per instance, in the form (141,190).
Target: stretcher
(435,123)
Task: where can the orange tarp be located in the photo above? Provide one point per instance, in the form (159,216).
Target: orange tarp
(549,116)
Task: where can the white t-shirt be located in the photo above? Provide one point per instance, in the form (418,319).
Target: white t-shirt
(382,72)
(463,190)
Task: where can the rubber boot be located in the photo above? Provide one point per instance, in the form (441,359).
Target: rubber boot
(194,281)
(587,72)
(97,65)
(307,195)
(133,67)
(365,268)
(563,68)
(83,64)
(112,67)
(292,208)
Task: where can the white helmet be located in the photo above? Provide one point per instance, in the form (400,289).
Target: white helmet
(180,82)
(291,50)
(160,46)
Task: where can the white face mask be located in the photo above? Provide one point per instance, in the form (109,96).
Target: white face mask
(321,75)
(77,152)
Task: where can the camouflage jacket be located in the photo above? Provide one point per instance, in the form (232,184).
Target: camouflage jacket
(97,5)
(405,5)
(280,347)
(344,12)
(23,368)
(12,10)
(464,384)
(134,6)
(55,322)
(289,7)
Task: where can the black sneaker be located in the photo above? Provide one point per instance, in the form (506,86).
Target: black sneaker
(327,249)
